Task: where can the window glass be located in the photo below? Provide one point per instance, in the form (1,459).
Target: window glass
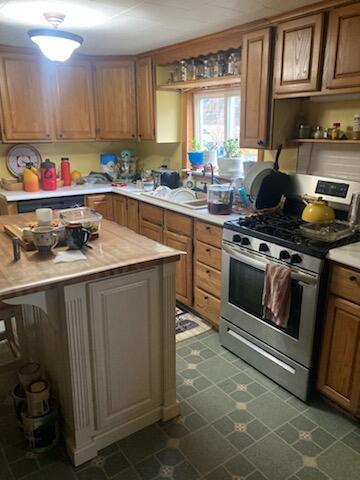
(217,118)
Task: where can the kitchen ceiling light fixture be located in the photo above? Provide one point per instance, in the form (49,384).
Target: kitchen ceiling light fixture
(55,44)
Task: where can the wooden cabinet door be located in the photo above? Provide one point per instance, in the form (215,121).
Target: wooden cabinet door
(133,214)
(255,89)
(102,204)
(145,98)
(126,335)
(184,267)
(116,101)
(119,209)
(24,98)
(152,231)
(339,371)
(342,61)
(299,55)
(74,101)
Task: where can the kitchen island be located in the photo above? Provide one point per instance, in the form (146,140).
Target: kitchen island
(103,328)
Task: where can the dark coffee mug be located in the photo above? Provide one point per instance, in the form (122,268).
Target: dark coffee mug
(76,236)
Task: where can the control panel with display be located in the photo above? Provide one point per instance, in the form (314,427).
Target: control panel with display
(332,189)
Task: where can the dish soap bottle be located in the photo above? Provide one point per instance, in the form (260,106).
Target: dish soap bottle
(31,178)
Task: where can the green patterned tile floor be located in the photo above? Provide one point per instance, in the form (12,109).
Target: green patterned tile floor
(236,424)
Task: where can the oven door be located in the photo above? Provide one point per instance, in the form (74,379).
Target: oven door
(243,275)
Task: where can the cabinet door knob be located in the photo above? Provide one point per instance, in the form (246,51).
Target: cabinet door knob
(208,250)
(207,227)
(260,143)
(353,278)
(61,135)
(207,271)
(206,297)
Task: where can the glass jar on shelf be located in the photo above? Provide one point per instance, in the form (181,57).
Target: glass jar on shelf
(200,68)
(230,64)
(213,66)
(335,132)
(318,133)
(191,69)
(176,75)
(237,63)
(220,59)
(183,71)
(206,68)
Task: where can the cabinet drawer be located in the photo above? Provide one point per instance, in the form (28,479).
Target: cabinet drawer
(345,283)
(151,213)
(175,222)
(208,306)
(208,279)
(208,233)
(209,255)
(152,231)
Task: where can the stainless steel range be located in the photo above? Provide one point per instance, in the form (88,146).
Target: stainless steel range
(283,354)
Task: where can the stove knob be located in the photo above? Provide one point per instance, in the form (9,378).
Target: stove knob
(263,247)
(245,241)
(284,255)
(295,258)
(236,238)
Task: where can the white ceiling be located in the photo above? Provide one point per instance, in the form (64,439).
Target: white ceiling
(133,26)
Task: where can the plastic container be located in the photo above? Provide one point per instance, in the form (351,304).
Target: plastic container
(31,178)
(87,217)
(48,175)
(196,159)
(220,199)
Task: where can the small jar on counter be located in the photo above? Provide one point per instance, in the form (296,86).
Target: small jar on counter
(335,132)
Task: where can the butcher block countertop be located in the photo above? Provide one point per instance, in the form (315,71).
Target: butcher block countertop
(117,250)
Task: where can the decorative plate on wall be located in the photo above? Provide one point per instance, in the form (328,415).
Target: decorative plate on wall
(19,155)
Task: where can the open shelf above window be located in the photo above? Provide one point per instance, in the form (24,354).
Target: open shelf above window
(203,83)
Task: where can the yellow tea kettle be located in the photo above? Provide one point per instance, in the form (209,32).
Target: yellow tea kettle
(317,210)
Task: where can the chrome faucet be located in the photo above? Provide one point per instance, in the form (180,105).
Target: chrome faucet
(212,175)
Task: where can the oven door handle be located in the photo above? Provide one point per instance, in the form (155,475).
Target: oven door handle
(260,265)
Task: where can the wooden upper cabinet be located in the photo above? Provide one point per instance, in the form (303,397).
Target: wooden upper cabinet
(145,98)
(298,55)
(255,88)
(342,61)
(116,100)
(74,101)
(24,98)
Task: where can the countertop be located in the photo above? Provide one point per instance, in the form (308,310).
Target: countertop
(347,255)
(129,191)
(117,250)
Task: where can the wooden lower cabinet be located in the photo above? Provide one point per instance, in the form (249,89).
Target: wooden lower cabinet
(207,306)
(119,205)
(102,203)
(133,214)
(152,231)
(184,267)
(339,371)
(8,208)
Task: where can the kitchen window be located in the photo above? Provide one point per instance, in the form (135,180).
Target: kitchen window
(217,118)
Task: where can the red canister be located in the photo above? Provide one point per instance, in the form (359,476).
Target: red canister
(48,175)
(65,172)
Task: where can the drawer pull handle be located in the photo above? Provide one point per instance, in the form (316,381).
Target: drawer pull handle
(207,227)
(208,250)
(353,278)
(207,271)
(206,297)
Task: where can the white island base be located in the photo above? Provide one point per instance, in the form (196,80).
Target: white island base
(108,347)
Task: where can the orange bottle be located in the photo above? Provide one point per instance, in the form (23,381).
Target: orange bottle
(31,178)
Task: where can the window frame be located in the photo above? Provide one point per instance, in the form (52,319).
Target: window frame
(223,92)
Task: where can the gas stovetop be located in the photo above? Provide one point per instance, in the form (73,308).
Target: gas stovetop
(284,229)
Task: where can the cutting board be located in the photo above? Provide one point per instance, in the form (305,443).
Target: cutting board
(16,231)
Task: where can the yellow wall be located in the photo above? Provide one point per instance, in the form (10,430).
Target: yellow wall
(287,160)
(325,113)
(84,156)
(153,155)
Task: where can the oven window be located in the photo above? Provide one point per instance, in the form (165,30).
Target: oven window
(246,290)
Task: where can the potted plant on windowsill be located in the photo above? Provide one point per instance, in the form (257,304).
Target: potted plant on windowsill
(230,165)
(211,155)
(196,155)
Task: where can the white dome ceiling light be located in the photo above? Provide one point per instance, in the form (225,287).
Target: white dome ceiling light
(55,44)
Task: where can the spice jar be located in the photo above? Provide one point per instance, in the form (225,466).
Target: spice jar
(356,127)
(335,132)
(304,131)
(318,133)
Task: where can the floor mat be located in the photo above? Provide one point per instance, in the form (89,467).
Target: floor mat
(189,325)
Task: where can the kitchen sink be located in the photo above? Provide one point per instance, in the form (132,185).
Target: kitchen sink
(196,204)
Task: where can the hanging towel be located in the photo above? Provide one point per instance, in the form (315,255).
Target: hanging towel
(277,294)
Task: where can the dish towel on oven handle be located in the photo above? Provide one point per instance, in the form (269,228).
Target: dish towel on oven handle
(277,294)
